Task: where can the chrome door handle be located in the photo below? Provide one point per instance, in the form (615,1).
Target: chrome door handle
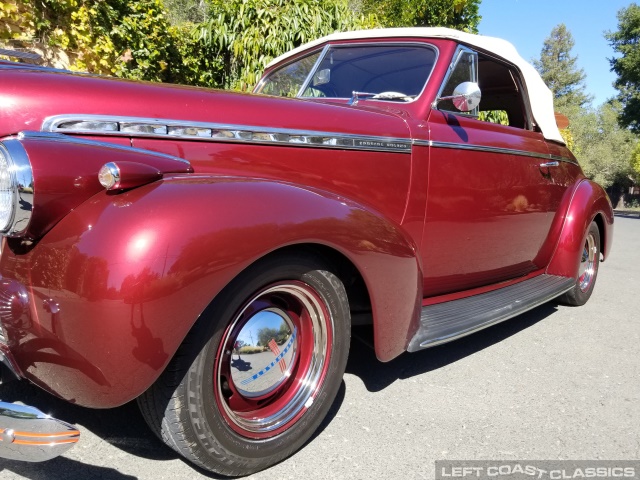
(549,164)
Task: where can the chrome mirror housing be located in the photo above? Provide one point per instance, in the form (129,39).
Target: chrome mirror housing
(466,97)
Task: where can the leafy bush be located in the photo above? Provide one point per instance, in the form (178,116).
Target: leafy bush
(16,20)
(247,34)
(632,201)
(248,350)
(460,14)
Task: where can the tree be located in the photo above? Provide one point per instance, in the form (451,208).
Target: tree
(247,34)
(459,14)
(626,42)
(559,71)
(180,12)
(635,163)
(128,38)
(603,148)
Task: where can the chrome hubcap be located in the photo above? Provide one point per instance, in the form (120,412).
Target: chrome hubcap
(587,269)
(272,359)
(269,342)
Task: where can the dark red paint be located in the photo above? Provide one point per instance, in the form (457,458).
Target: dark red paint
(115,280)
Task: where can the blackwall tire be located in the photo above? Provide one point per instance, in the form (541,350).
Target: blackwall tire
(588,269)
(237,413)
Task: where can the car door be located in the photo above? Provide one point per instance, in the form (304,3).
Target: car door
(492,191)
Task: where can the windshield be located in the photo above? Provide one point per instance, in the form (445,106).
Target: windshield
(387,72)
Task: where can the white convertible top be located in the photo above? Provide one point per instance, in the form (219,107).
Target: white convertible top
(539,94)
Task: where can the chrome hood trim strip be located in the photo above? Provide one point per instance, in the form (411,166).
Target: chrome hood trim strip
(484,148)
(218,132)
(57,137)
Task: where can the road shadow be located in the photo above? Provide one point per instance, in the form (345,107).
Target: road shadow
(124,427)
(377,376)
(61,468)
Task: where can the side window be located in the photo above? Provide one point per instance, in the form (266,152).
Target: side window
(464,69)
(502,99)
(502,94)
(288,81)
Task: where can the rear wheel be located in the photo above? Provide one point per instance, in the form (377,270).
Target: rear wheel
(588,269)
(259,371)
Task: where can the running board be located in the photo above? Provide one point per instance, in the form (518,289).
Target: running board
(444,322)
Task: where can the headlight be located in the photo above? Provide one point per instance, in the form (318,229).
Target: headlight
(16,188)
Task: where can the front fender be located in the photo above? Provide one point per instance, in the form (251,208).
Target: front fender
(589,202)
(116,285)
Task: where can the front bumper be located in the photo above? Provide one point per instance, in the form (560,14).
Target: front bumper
(29,435)
(26,433)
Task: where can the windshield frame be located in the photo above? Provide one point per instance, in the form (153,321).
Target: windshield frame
(325,49)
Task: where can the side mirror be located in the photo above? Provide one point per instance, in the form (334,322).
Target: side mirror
(466,97)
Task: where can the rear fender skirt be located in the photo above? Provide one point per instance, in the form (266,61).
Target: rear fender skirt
(116,285)
(589,202)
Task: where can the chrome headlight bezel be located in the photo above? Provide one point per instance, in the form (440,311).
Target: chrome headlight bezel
(20,190)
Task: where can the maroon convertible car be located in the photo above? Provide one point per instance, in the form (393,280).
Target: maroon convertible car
(207,252)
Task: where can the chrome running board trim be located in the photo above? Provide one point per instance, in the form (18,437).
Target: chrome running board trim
(444,322)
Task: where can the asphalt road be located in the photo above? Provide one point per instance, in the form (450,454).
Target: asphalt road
(555,383)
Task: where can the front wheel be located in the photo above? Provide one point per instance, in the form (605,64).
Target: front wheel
(259,371)
(587,271)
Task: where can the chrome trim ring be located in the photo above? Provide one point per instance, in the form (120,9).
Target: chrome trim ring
(588,263)
(109,176)
(219,132)
(21,187)
(262,394)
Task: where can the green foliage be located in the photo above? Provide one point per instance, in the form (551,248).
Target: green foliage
(633,202)
(626,42)
(130,39)
(494,116)
(265,334)
(82,29)
(140,39)
(459,14)
(16,20)
(635,162)
(248,350)
(247,34)
(567,136)
(602,147)
(560,72)
(186,11)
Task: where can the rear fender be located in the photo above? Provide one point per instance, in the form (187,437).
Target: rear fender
(590,202)
(117,284)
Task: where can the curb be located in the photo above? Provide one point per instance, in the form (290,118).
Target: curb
(626,213)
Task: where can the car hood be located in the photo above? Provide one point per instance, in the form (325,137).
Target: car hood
(29,96)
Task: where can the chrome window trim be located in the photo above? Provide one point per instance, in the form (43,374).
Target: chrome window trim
(460,49)
(228,133)
(307,80)
(435,49)
(499,150)
(321,51)
(58,137)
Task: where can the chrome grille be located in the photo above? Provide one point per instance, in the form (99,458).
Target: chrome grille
(14,304)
